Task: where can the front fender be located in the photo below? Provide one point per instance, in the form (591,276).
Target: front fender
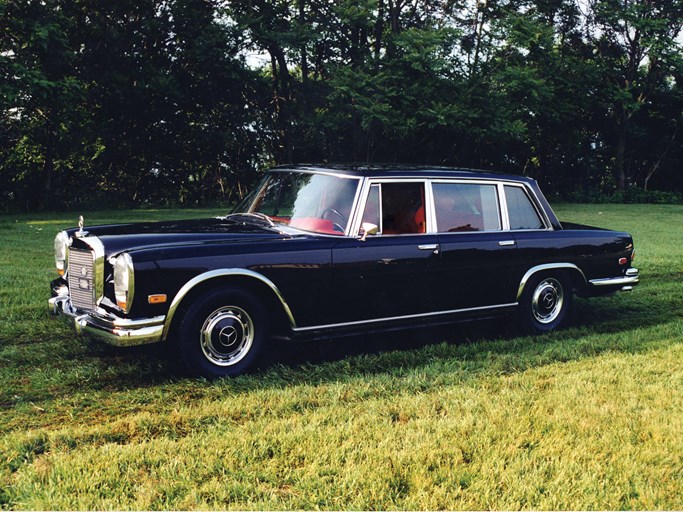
(205,277)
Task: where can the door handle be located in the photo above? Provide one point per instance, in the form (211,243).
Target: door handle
(503,243)
(429,247)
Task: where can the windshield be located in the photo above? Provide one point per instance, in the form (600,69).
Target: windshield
(312,202)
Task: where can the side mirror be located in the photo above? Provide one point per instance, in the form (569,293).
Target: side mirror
(368,228)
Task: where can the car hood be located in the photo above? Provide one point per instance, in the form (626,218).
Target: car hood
(152,235)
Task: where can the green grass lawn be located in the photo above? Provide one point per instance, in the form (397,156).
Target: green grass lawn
(590,417)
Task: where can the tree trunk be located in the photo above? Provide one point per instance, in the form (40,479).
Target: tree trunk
(44,196)
(302,48)
(281,98)
(379,32)
(619,163)
(47,173)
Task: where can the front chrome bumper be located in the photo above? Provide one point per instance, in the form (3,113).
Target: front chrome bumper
(625,282)
(121,332)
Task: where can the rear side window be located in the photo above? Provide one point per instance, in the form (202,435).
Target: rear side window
(522,213)
(466,207)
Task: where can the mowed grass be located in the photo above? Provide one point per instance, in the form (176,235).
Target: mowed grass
(466,417)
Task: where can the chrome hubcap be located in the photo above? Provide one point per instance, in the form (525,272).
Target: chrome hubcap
(547,300)
(227,335)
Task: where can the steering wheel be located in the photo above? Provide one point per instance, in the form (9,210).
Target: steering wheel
(337,226)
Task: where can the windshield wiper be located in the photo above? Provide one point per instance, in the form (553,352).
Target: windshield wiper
(252,216)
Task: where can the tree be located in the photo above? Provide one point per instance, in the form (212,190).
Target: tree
(42,99)
(636,41)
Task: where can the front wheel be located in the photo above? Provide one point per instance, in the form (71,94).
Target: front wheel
(545,303)
(222,333)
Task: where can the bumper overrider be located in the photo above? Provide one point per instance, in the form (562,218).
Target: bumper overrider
(102,325)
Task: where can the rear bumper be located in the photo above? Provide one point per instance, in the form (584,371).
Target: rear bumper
(623,283)
(120,332)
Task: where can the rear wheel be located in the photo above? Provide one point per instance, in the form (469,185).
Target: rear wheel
(545,303)
(222,333)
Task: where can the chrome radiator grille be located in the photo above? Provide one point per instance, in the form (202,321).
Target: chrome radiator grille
(82,278)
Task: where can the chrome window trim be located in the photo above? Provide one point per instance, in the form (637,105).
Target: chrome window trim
(225,272)
(537,203)
(368,182)
(359,207)
(461,181)
(379,203)
(313,171)
(503,203)
(533,199)
(354,207)
(284,229)
(402,317)
(354,204)
(430,210)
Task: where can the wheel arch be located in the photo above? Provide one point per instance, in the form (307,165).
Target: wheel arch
(574,273)
(252,281)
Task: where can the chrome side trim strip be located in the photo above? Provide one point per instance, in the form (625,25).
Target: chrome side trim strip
(226,272)
(631,278)
(547,266)
(403,317)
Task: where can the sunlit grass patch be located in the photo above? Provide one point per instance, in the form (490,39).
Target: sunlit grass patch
(468,417)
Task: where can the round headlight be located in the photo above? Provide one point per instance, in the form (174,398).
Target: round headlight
(124,281)
(62,242)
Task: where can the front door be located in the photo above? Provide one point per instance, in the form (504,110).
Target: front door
(392,274)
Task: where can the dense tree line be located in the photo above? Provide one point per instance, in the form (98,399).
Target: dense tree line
(167,101)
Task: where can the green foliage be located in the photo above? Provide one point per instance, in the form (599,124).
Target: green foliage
(159,102)
(631,195)
(590,417)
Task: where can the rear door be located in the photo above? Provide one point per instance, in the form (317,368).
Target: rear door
(479,265)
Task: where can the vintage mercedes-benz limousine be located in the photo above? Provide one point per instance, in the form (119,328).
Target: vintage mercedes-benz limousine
(318,251)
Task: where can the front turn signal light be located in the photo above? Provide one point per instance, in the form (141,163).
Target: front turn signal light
(158,298)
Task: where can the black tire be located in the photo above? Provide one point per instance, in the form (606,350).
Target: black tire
(222,333)
(545,303)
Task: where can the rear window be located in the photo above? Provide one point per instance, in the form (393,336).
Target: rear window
(522,213)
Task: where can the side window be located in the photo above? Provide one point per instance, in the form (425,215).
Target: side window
(397,208)
(522,213)
(466,207)
(371,213)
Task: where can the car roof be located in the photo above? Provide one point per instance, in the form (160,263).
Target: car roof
(400,170)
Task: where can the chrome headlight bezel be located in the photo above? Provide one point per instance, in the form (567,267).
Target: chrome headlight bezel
(61,246)
(124,281)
